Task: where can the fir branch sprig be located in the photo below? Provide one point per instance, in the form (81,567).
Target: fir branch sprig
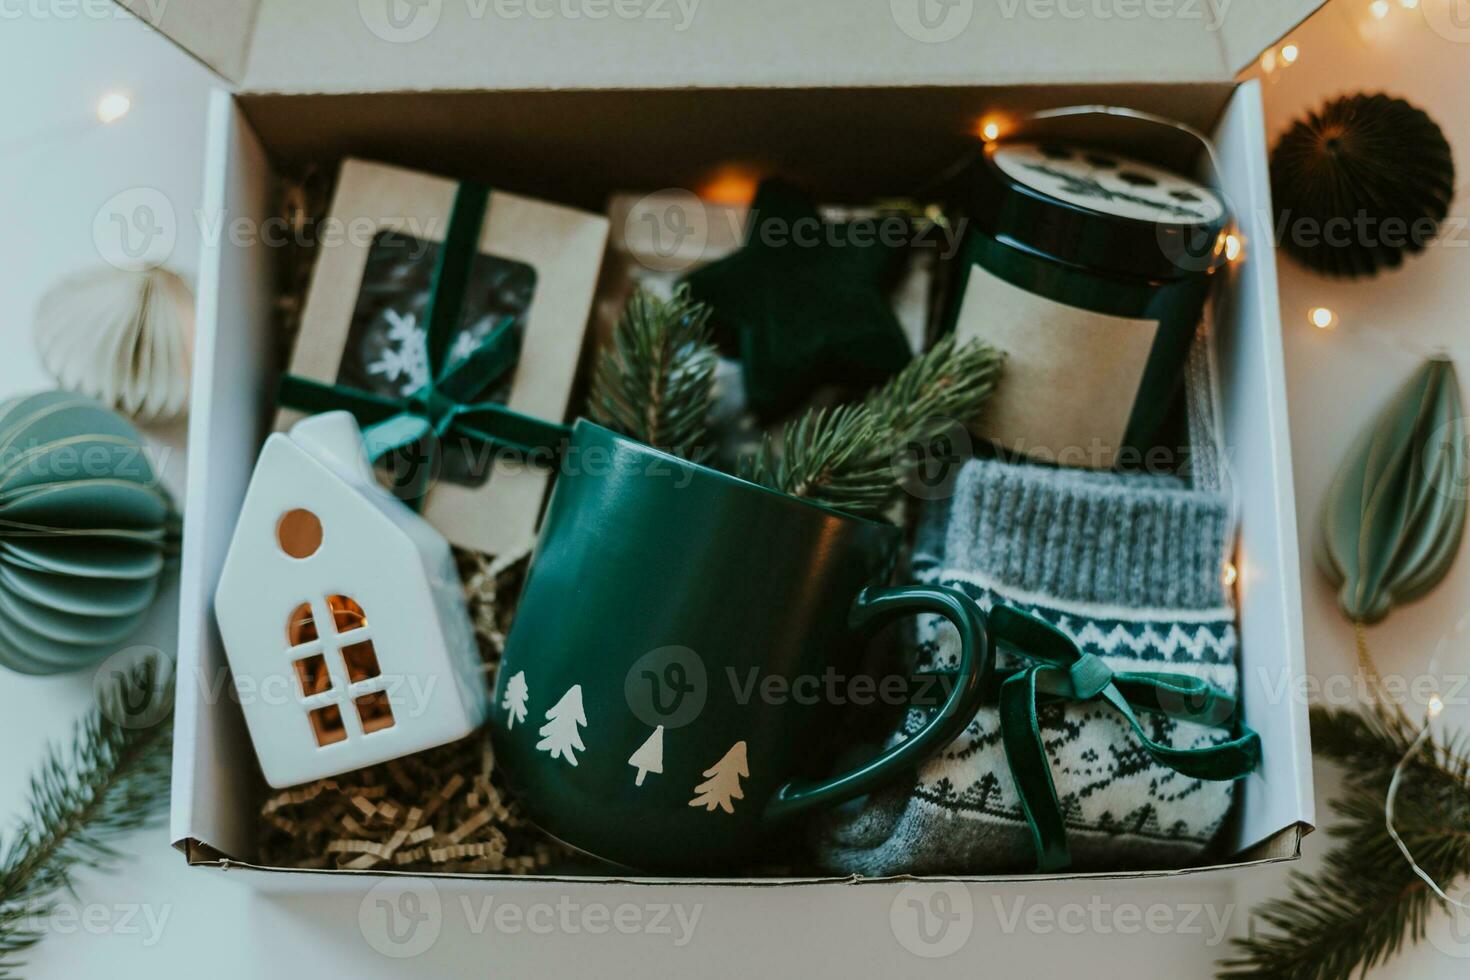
(949,383)
(832,456)
(113,778)
(1366,902)
(656,383)
(846,458)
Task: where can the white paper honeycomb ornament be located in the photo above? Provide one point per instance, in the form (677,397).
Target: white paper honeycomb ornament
(342,614)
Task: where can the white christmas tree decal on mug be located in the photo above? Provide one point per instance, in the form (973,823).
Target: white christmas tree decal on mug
(514,702)
(650,757)
(723,782)
(559,735)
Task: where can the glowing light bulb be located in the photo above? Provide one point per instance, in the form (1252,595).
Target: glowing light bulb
(1229,574)
(1322,318)
(1436,706)
(730,185)
(1378,8)
(1233,248)
(990,131)
(1289,53)
(112,107)
(1268,60)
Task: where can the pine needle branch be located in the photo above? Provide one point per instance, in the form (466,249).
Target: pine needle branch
(1366,902)
(832,456)
(950,383)
(845,458)
(656,383)
(112,779)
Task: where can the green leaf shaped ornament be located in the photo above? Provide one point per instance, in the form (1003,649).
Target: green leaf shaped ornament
(1395,513)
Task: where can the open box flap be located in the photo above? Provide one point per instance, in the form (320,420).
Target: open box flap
(1258,24)
(217,32)
(410,45)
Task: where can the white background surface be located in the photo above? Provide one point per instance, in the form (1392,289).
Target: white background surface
(157,918)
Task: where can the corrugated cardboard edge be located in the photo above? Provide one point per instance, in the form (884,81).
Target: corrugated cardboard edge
(1281,847)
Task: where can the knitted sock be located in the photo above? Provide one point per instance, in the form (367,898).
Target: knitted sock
(1130,568)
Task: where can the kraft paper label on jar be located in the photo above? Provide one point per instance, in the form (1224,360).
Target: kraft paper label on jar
(1071,377)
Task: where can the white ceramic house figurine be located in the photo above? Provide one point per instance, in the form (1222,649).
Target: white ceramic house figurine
(342,614)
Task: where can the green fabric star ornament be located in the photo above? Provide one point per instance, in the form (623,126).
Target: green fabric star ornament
(802,304)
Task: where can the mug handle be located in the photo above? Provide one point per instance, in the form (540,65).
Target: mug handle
(872,610)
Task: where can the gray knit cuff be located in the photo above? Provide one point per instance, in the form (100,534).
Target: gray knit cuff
(1085,536)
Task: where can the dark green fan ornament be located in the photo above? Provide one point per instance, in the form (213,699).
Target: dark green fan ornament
(1359,184)
(85,529)
(1395,514)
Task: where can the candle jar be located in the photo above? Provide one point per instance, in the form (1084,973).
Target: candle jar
(1091,271)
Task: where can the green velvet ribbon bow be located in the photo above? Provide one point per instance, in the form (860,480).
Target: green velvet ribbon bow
(445,407)
(1057,672)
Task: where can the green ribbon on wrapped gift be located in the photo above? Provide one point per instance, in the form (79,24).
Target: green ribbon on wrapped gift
(1058,672)
(445,407)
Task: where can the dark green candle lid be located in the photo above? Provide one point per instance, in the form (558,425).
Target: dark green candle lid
(1095,209)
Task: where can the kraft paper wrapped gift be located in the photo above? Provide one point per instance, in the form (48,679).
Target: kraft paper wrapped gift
(364,326)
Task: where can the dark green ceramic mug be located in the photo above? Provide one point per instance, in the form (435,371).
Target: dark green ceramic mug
(683,642)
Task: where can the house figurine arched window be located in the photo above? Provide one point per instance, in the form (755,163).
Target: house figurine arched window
(342,614)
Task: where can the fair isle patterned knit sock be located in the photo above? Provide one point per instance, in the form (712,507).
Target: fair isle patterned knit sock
(1130,568)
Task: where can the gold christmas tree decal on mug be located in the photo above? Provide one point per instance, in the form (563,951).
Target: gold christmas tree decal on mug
(723,782)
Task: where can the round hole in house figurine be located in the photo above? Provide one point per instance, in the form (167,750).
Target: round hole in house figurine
(299,533)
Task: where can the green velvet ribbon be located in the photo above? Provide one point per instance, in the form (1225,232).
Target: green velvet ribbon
(1058,672)
(445,407)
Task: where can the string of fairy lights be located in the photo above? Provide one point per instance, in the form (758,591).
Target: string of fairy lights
(1433,709)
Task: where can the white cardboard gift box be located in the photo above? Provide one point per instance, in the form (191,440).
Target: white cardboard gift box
(859,98)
